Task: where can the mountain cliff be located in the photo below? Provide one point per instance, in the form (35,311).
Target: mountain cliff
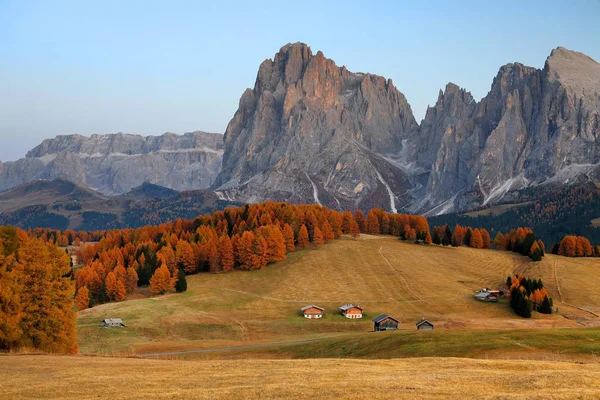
(535,126)
(311,131)
(115,164)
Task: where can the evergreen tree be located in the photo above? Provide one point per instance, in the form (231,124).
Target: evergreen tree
(545,307)
(509,281)
(536,255)
(181,285)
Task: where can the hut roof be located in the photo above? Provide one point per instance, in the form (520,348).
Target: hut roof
(113,321)
(349,306)
(381,317)
(312,306)
(423,321)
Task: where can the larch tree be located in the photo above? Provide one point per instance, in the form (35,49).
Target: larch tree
(11,308)
(226,253)
(476,240)
(373,223)
(499,241)
(161,281)
(303,237)
(185,257)
(327,231)
(288,235)
(131,280)
(49,320)
(354,230)
(487,240)
(318,237)
(82,299)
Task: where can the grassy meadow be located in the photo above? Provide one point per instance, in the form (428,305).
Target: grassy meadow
(379,273)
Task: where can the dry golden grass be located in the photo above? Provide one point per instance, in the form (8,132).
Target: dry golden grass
(382,274)
(48,377)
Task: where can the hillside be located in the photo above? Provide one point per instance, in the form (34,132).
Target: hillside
(551,211)
(60,204)
(379,273)
(124,378)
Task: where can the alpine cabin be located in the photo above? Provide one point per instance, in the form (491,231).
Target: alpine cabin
(113,323)
(424,325)
(351,311)
(385,322)
(312,312)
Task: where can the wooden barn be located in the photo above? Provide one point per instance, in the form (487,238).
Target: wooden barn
(312,312)
(385,322)
(424,325)
(113,323)
(351,311)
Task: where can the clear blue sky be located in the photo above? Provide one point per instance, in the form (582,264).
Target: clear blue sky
(150,67)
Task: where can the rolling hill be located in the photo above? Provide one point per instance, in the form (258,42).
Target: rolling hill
(260,308)
(62,205)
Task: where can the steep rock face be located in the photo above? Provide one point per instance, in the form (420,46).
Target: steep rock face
(311,131)
(114,164)
(534,126)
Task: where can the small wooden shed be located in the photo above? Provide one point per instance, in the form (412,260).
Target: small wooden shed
(424,325)
(312,312)
(351,311)
(113,323)
(385,322)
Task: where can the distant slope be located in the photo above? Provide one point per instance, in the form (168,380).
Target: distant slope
(552,212)
(61,204)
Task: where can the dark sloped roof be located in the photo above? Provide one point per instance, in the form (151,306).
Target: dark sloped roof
(312,306)
(381,317)
(424,321)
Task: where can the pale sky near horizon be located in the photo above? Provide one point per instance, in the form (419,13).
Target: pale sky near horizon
(149,67)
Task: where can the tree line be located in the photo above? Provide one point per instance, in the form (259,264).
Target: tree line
(247,238)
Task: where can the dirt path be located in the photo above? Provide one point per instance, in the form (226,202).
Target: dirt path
(560,296)
(232,348)
(404,281)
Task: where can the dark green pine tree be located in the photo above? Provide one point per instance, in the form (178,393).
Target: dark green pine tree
(527,243)
(526,308)
(448,235)
(181,285)
(545,307)
(536,255)
(508,281)
(436,238)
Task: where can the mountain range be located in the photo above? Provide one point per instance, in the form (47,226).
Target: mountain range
(312,131)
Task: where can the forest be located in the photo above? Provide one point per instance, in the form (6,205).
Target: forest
(552,214)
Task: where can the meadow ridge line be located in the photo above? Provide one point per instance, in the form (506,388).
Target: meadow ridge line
(231,348)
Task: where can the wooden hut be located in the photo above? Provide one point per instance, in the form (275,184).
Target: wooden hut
(312,312)
(351,311)
(385,322)
(113,323)
(424,325)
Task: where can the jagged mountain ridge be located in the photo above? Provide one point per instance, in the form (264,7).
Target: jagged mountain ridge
(116,163)
(295,136)
(311,131)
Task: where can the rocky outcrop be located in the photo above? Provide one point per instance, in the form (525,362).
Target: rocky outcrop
(114,164)
(534,126)
(311,131)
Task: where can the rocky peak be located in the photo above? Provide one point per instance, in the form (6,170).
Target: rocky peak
(308,117)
